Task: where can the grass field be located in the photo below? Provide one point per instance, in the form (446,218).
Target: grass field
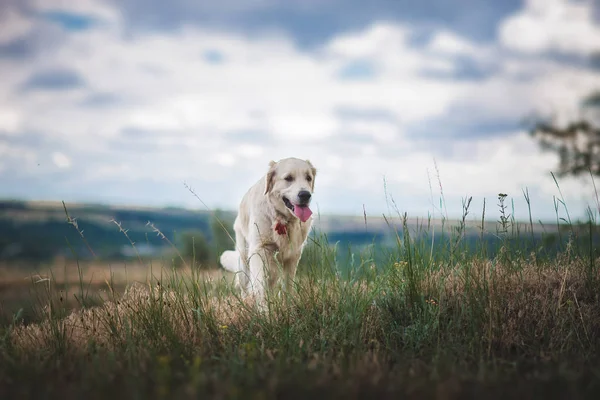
(430,321)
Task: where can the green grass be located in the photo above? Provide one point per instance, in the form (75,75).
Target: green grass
(430,321)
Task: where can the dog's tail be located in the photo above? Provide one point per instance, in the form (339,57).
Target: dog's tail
(231,261)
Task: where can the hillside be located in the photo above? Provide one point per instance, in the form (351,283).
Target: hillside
(40,231)
(37,231)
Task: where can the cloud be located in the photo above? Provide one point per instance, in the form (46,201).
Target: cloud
(61,160)
(16,49)
(14,26)
(79,15)
(9,120)
(213,57)
(69,21)
(311,23)
(16,157)
(21,36)
(448,43)
(99,100)
(139,112)
(53,79)
(563,26)
(357,70)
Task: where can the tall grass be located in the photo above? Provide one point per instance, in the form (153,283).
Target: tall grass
(429,317)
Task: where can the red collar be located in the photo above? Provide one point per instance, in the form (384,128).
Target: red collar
(281,228)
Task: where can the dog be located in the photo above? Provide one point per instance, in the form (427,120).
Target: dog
(272,227)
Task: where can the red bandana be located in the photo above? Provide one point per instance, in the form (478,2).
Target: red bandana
(280,228)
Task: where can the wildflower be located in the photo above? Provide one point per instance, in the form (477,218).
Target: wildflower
(431,301)
(400,264)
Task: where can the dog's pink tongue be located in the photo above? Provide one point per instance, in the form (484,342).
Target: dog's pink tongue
(302,212)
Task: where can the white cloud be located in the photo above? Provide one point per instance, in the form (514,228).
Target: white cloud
(14,25)
(377,40)
(379,132)
(61,160)
(192,120)
(446,42)
(301,126)
(544,25)
(263,85)
(9,120)
(250,150)
(225,159)
(501,164)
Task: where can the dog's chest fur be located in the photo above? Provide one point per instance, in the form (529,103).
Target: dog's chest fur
(289,245)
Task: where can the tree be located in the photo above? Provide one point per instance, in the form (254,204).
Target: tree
(577,143)
(196,250)
(222,233)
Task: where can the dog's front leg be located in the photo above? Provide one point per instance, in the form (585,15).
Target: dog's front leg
(259,273)
(290,267)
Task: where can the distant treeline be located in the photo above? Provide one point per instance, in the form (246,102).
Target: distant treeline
(42,232)
(39,232)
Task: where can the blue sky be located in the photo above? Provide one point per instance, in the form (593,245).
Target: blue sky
(125,101)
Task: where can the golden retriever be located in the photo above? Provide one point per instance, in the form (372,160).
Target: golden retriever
(271,228)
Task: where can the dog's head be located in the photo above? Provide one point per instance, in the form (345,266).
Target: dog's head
(289,185)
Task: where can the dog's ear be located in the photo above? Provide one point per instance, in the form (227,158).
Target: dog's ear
(270,176)
(312,168)
(314,173)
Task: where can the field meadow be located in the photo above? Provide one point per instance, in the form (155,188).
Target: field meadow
(428,317)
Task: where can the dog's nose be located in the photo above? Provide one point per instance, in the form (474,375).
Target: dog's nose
(304,196)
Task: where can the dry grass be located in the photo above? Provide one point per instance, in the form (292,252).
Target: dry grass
(69,283)
(477,326)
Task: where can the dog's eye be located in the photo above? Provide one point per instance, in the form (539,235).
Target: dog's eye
(289,178)
(308,178)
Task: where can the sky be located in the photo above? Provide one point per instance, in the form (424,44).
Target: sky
(402,106)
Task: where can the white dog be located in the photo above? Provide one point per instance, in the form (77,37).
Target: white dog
(271,227)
